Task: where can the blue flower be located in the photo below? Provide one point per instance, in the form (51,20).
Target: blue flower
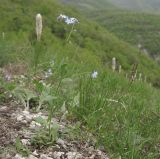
(67,20)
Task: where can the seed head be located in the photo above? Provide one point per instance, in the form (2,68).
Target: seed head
(39,26)
(113,63)
(120,69)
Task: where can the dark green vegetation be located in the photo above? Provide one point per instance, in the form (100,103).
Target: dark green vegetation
(135,28)
(139,5)
(124,118)
(86,5)
(136,5)
(130,26)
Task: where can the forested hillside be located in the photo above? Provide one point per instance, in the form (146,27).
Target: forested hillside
(138,5)
(135,28)
(138,28)
(134,5)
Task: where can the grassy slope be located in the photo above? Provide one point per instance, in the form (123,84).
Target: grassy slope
(95,46)
(141,5)
(133,27)
(122,117)
(89,4)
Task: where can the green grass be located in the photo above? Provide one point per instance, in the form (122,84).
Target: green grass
(123,117)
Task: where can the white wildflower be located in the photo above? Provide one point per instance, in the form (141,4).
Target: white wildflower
(94,74)
(48,73)
(67,20)
(71,21)
(62,17)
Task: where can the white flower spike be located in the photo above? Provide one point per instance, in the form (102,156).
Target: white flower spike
(39,26)
(113,64)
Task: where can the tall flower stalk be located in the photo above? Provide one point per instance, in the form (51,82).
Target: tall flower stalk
(70,33)
(113,64)
(38,46)
(120,69)
(39,26)
(68,21)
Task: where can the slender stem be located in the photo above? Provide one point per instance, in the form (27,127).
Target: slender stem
(49,128)
(70,33)
(39,106)
(27,104)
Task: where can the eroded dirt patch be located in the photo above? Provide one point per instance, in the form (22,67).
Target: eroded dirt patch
(14,122)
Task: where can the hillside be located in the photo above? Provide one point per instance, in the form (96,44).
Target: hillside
(138,5)
(133,5)
(60,97)
(87,5)
(95,46)
(137,28)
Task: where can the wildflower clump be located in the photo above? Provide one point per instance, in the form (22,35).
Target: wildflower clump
(67,20)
